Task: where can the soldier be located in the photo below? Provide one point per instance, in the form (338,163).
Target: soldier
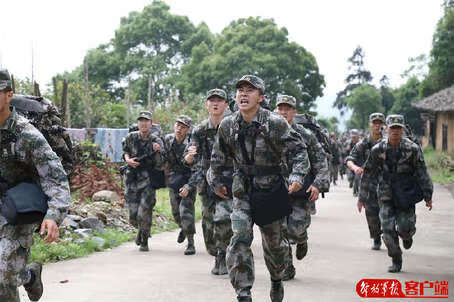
(257,140)
(216,223)
(26,157)
(355,162)
(182,194)
(403,180)
(142,152)
(336,159)
(316,181)
(353,179)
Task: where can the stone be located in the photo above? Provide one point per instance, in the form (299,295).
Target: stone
(75,218)
(85,233)
(69,223)
(92,223)
(99,241)
(79,241)
(106,196)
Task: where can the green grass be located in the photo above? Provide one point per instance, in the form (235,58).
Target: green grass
(438,165)
(65,248)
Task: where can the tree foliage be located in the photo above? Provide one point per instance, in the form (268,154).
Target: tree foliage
(363,100)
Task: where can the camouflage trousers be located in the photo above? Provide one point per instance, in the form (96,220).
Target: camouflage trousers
(140,204)
(299,220)
(372,217)
(183,211)
(239,259)
(333,172)
(208,211)
(396,222)
(13,258)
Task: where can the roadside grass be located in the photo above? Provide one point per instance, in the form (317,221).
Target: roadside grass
(440,165)
(67,248)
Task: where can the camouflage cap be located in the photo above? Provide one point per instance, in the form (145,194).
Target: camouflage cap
(286,99)
(395,120)
(255,81)
(354,132)
(144,114)
(185,120)
(5,80)
(377,116)
(217,92)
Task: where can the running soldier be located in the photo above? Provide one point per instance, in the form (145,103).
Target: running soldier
(182,194)
(336,159)
(353,179)
(142,152)
(257,140)
(355,162)
(398,165)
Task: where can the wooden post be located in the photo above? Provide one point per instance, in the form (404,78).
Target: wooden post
(56,102)
(13,84)
(65,105)
(150,83)
(36,91)
(87,101)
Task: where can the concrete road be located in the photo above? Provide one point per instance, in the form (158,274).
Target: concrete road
(339,256)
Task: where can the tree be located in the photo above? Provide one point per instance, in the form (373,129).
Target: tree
(254,46)
(330,124)
(387,97)
(359,76)
(363,100)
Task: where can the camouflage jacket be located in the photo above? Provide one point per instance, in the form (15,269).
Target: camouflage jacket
(175,156)
(274,141)
(203,137)
(360,152)
(135,146)
(411,162)
(26,156)
(317,158)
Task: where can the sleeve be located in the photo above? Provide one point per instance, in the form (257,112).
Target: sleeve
(370,173)
(158,158)
(319,164)
(52,176)
(196,165)
(423,175)
(355,155)
(219,158)
(126,144)
(294,145)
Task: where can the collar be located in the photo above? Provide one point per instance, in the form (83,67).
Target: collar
(11,122)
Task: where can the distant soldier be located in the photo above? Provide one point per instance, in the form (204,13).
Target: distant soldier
(336,158)
(398,165)
(257,140)
(216,224)
(26,157)
(353,179)
(355,162)
(315,182)
(142,153)
(182,194)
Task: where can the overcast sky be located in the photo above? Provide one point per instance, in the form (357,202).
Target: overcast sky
(390,31)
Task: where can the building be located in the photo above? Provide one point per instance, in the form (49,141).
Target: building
(437,112)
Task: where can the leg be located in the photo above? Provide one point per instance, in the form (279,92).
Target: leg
(390,238)
(187,214)
(373,222)
(240,260)
(208,209)
(175,201)
(145,215)
(406,221)
(132,200)
(298,223)
(275,248)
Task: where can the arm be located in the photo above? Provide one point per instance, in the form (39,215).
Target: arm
(355,158)
(423,177)
(371,170)
(218,160)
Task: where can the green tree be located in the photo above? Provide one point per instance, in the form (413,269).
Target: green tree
(359,75)
(387,97)
(254,46)
(330,124)
(363,100)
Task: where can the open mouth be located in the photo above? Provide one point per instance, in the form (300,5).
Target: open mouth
(244,102)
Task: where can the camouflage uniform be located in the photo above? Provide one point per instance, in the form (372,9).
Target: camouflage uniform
(353,179)
(24,158)
(227,147)
(394,221)
(334,167)
(139,193)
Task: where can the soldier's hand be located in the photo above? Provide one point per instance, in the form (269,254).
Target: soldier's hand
(132,162)
(183,192)
(222,193)
(52,230)
(360,206)
(294,187)
(192,151)
(314,193)
(156,147)
(429,205)
(358,171)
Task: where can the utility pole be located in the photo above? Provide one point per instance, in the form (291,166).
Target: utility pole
(33,71)
(87,101)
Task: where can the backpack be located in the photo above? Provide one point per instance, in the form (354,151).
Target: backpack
(45,117)
(309,122)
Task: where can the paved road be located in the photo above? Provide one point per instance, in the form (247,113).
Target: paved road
(339,255)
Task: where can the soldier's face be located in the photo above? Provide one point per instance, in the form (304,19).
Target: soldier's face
(395,132)
(180,129)
(375,126)
(216,105)
(5,99)
(248,97)
(144,125)
(355,139)
(286,111)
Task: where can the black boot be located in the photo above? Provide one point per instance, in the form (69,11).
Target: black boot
(190,249)
(301,250)
(35,287)
(377,244)
(215,269)
(138,238)
(181,237)
(407,243)
(144,242)
(396,266)
(277,291)
(244,299)
(289,273)
(222,269)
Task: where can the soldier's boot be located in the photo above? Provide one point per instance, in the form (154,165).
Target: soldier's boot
(396,265)
(407,243)
(139,238)
(244,299)
(301,250)
(222,269)
(277,291)
(144,242)
(289,272)
(215,269)
(245,295)
(377,244)
(190,249)
(35,287)
(181,237)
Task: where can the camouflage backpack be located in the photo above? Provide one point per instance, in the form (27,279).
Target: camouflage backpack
(309,122)
(45,117)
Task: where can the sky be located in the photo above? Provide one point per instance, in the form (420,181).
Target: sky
(389,31)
